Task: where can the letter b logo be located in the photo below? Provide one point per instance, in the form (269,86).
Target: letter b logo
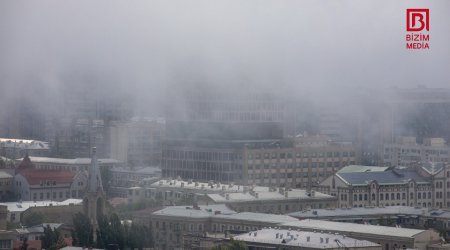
(417,19)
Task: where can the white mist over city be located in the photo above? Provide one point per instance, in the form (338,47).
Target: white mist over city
(225,124)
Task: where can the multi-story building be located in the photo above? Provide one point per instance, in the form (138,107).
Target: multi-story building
(176,227)
(75,138)
(424,186)
(272,238)
(74,165)
(123,178)
(17,148)
(304,162)
(237,197)
(206,136)
(35,184)
(407,152)
(171,224)
(137,142)
(387,237)
(6,186)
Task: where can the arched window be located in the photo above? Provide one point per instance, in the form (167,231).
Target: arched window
(398,196)
(365,197)
(392,196)
(373,197)
(419,195)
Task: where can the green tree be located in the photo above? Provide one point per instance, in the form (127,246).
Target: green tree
(233,245)
(52,239)
(24,245)
(83,231)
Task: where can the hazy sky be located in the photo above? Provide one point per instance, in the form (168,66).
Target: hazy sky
(144,46)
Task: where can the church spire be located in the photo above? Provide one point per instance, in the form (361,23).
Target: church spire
(95,178)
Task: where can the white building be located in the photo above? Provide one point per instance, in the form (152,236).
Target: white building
(74,165)
(16,148)
(15,209)
(295,239)
(387,237)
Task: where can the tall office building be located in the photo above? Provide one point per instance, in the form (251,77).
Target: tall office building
(208,130)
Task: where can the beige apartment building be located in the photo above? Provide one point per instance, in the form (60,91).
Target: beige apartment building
(304,163)
(407,152)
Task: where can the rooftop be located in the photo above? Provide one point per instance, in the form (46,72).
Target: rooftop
(263,193)
(37,176)
(190,211)
(222,211)
(4,174)
(302,239)
(223,193)
(76,161)
(23,143)
(360,211)
(137,170)
(24,205)
(388,177)
(344,228)
(361,168)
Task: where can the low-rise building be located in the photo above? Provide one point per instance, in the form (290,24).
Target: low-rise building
(387,237)
(36,184)
(15,210)
(74,165)
(269,238)
(427,185)
(179,226)
(6,186)
(239,197)
(122,178)
(17,148)
(171,224)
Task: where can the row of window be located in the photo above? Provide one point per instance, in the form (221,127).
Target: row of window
(284,155)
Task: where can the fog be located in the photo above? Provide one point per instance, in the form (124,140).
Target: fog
(150,50)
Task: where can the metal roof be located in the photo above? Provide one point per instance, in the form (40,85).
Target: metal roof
(391,176)
(344,228)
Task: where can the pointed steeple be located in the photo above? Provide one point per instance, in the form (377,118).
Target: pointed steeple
(95,178)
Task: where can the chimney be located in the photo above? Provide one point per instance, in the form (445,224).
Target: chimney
(182,184)
(286,194)
(227,196)
(256,195)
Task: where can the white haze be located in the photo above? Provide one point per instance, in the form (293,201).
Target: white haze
(148,49)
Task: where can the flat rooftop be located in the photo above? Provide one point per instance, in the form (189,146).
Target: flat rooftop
(221,211)
(24,205)
(302,239)
(345,228)
(360,211)
(23,143)
(226,193)
(76,161)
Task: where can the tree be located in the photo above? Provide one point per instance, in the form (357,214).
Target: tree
(83,231)
(52,239)
(24,245)
(233,245)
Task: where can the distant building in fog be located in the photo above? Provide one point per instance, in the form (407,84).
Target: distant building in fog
(206,136)
(17,148)
(137,142)
(407,152)
(75,137)
(301,162)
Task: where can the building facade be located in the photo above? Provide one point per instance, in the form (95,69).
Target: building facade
(407,152)
(423,186)
(137,142)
